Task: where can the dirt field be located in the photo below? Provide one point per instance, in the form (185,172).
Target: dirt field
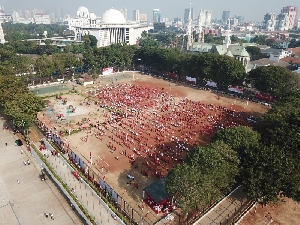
(145,137)
(285,212)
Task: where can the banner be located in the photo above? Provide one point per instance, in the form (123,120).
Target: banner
(236,89)
(191,79)
(265,97)
(107,71)
(211,84)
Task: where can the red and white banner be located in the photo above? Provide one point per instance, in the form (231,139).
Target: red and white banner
(107,71)
(211,84)
(236,89)
(191,79)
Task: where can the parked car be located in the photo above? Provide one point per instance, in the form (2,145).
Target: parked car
(76,175)
(19,142)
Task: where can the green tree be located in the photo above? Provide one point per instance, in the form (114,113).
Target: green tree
(294,43)
(270,42)
(24,109)
(270,172)
(255,52)
(275,80)
(208,173)
(260,39)
(239,138)
(44,67)
(281,125)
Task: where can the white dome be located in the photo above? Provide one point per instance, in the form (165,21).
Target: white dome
(113,16)
(93,16)
(83,12)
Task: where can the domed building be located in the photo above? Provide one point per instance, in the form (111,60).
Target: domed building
(113,27)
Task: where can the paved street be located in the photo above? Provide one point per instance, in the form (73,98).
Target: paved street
(84,193)
(224,209)
(27,201)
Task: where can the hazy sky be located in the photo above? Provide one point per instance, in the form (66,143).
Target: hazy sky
(252,10)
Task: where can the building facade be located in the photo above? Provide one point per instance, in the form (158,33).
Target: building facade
(41,19)
(2,40)
(186,15)
(276,23)
(136,15)
(225,16)
(112,29)
(156,16)
(4,17)
(292,12)
(143,18)
(205,17)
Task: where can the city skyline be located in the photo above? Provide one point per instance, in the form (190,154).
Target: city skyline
(253,11)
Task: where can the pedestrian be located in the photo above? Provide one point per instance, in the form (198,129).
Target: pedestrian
(5,144)
(18,181)
(51,216)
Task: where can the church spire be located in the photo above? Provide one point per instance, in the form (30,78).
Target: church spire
(189,28)
(2,40)
(228,38)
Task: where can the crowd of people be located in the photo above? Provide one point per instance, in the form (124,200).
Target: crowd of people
(150,124)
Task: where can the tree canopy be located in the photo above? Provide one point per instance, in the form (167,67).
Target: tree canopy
(274,80)
(17,102)
(208,173)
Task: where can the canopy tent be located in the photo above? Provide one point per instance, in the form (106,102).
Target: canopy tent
(157,192)
(157,197)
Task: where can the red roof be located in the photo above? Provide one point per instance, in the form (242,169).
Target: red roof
(291,60)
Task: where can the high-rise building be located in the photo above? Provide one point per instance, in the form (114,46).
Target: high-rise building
(273,22)
(187,13)
(143,18)
(156,16)
(225,16)
(205,17)
(40,18)
(292,12)
(124,12)
(136,15)
(241,19)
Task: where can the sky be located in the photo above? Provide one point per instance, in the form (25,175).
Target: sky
(253,10)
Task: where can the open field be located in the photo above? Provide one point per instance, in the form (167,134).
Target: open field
(142,127)
(284,212)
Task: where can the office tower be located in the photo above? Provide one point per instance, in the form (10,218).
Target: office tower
(205,17)
(225,16)
(136,15)
(241,19)
(143,18)
(292,12)
(124,12)
(156,15)
(186,15)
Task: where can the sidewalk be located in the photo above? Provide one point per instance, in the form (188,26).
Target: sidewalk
(84,193)
(24,197)
(224,209)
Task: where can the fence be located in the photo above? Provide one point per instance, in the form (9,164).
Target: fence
(133,216)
